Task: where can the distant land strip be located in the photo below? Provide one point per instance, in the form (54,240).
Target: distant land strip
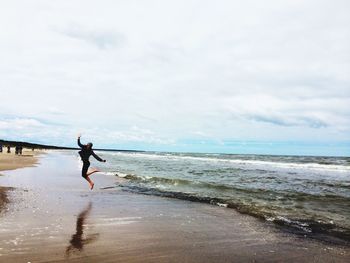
(53,147)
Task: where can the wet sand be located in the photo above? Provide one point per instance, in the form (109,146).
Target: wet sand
(10,161)
(3,198)
(53,217)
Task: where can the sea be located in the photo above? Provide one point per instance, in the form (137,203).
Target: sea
(304,194)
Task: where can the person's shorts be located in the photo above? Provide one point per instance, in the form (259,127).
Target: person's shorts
(85,169)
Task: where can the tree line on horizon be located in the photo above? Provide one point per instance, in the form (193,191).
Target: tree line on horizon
(32,145)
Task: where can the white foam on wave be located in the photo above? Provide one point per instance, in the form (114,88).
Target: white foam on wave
(121,175)
(110,173)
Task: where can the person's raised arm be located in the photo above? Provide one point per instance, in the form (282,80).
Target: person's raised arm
(97,157)
(79,143)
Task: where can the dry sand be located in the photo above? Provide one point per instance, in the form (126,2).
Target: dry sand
(54,217)
(10,161)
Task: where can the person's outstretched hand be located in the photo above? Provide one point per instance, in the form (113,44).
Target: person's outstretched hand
(79,135)
(104,161)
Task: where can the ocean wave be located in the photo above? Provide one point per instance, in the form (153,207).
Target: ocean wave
(176,182)
(232,191)
(245,163)
(170,181)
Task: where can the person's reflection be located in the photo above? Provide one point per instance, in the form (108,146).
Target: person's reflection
(78,241)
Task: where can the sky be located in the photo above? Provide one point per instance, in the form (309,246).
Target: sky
(269,77)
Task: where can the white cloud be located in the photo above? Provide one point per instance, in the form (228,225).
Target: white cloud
(102,39)
(20,124)
(276,70)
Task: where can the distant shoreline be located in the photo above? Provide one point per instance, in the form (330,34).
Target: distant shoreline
(54,147)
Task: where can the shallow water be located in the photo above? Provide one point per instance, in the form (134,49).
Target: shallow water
(309,194)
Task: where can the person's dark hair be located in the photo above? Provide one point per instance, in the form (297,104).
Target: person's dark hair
(90,144)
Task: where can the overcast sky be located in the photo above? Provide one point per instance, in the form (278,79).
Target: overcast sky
(177,75)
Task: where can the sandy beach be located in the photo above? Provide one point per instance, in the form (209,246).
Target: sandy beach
(50,215)
(10,161)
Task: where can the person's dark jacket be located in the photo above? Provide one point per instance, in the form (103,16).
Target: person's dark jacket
(85,153)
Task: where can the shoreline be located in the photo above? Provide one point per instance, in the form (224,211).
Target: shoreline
(52,208)
(318,231)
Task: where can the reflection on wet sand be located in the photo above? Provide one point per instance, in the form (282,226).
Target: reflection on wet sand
(3,198)
(77,242)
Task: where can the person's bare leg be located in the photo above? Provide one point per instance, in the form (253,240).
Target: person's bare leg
(94,170)
(90,182)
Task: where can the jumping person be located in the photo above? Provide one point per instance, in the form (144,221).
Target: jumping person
(85,153)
